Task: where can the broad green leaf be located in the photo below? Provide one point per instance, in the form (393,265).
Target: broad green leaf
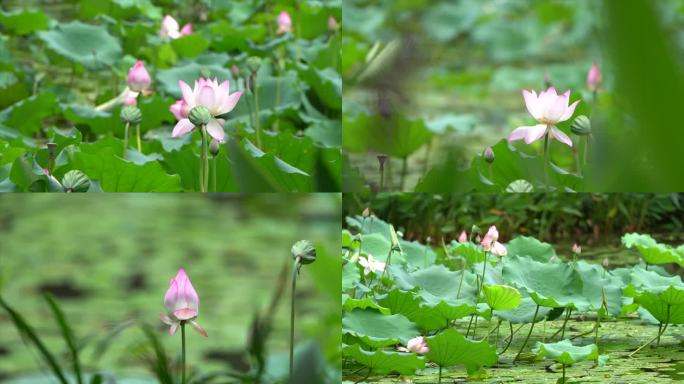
(548,284)
(24,21)
(89,45)
(451,348)
(349,304)
(529,246)
(27,115)
(564,352)
(429,316)
(381,361)
(500,297)
(378,330)
(395,135)
(191,45)
(524,312)
(168,79)
(652,251)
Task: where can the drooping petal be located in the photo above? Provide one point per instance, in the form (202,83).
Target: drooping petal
(188,95)
(535,133)
(215,130)
(568,112)
(206,97)
(182,127)
(230,102)
(518,134)
(560,136)
(173,328)
(198,328)
(532,103)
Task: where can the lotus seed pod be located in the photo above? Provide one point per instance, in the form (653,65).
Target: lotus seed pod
(489,155)
(131,114)
(214,147)
(75,181)
(581,126)
(199,115)
(254,63)
(305,250)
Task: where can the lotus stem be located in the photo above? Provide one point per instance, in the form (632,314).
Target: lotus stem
(546,157)
(182,326)
(404,171)
(563,374)
(440,375)
(295,269)
(137,135)
(125,145)
(204,160)
(528,333)
(213,174)
(257,123)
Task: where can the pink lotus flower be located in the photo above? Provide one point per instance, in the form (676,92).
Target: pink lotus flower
(371,265)
(332,24)
(216,98)
(491,244)
(131,98)
(549,109)
(284,23)
(463,238)
(138,78)
(594,78)
(170,28)
(416,345)
(182,303)
(179,109)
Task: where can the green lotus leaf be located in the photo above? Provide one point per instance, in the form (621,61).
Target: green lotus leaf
(548,284)
(428,316)
(500,297)
(529,246)
(523,313)
(349,304)
(564,352)
(451,348)
(378,330)
(89,45)
(652,251)
(381,361)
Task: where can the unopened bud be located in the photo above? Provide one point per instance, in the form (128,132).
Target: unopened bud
(131,114)
(605,262)
(235,71)
(581,126)
(489,155)
(199,115)
(305,251)
(75,181)
(576,249)
(366,212)
(214,147)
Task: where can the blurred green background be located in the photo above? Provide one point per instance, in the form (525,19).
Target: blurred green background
(436,81)
(108,259)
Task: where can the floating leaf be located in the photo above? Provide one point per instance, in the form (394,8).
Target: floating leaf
(451,348)
(564,352)
(500,297)
(381,361)
(89,45)
(378,330)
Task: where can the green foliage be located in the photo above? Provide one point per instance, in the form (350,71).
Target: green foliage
(564,352)
(88,45)
(451,348)
(381,361)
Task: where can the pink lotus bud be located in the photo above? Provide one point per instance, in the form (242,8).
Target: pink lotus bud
(131,98)
(576,249)
(182,303)
(186,30)
(594,78)
(284,23)
(463,238)
(418,345)
(235,71)
(490,238)
(332,24)
(169,28)
(366,212)
(216,98)
(605,262)
(138,78)
(179,109)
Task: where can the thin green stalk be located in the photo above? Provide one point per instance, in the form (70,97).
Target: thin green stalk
(563,374)
(546,157)
(389,257)
(440,375)
(204,159)
(182,325)
(292,314)
(534,318)
(586,149)
(257,123)
(213,174)
(484,269)
(137,135)
(460,283)
(404,171)
(125,146)
(577,162)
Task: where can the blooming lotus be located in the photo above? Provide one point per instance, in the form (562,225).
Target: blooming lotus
(182,303)
(207,93)
(179,109)
(499,249)
(594,78)
(170,28)
(416,345)
(284,23)
(138,78)
(549,109)
(370,264)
